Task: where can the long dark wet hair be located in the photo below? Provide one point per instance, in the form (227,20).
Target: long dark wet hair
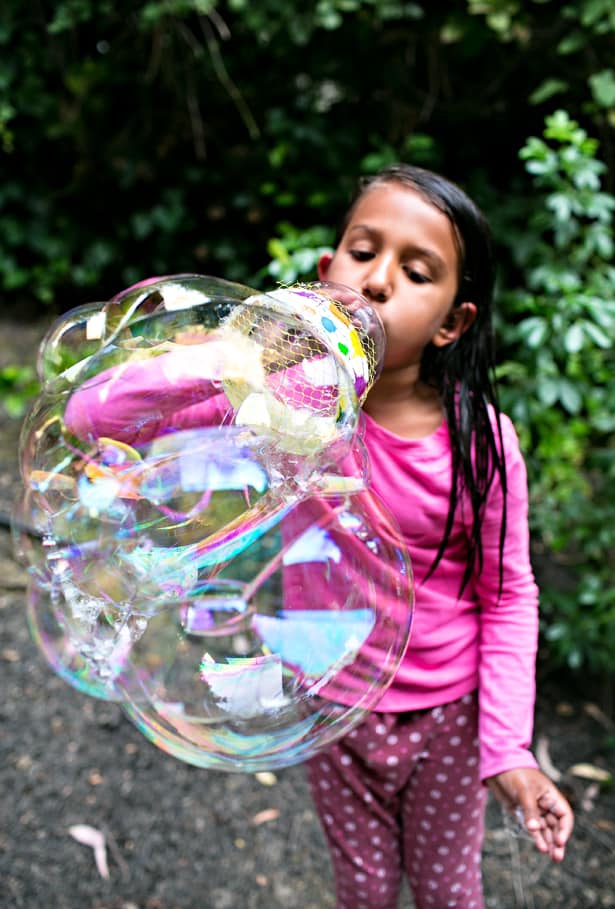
(463,371)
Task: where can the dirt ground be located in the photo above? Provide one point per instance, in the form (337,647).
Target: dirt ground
(177,837)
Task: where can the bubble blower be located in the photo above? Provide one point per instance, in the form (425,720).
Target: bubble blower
(201,541)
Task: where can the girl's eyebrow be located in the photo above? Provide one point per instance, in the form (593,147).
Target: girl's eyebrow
(364,228)
(434,260)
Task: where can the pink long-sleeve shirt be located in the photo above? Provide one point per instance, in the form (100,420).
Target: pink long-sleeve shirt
(478,640)
(483,639)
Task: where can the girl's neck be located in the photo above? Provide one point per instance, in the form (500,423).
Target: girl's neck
(411,410)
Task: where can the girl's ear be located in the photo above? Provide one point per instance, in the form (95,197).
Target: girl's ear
(455,324)
(323,265)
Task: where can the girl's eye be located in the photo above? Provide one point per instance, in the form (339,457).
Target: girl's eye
(417,277)
(361,255)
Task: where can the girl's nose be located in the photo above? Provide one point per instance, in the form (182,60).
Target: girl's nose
(378,282)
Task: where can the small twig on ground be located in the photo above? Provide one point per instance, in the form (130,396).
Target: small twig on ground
(544,759)
(599,716)
(118,858)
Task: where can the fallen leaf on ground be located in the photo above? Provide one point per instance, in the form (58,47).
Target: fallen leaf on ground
(266,778)
(10,655)
(599,716)
(263,817)
(90,836)
(591,772)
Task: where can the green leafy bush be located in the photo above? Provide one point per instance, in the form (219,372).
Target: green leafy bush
(557,378)
(559,386)
(245,115)
(295,253)
(18,384)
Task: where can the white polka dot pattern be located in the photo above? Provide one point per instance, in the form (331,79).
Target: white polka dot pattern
(402,795)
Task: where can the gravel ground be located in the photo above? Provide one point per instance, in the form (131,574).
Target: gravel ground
(177,837)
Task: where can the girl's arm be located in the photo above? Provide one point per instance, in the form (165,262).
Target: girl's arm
(508,624)
(136,401)
(509,636)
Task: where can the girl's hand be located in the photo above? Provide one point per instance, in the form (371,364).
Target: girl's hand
(546,814)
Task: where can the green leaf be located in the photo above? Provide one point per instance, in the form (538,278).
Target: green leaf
(534,331)
(548,391)
(561,127)
(548,89)
(574,338)
(556,631)
(569,396)
(571,43)
(602,85)
(561,205)
(575,658)
(598,336)
(277,250)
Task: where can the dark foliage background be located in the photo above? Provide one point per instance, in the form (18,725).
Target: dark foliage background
(177,134)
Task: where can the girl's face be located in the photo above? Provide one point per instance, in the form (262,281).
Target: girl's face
(400,252)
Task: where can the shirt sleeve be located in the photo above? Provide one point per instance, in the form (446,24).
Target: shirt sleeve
(136,401)
(509,624)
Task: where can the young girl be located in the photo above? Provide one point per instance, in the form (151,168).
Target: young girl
(403,793)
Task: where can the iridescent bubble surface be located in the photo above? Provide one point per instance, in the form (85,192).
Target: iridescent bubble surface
(202,544)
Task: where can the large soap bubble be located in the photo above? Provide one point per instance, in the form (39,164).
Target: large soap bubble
(202,544)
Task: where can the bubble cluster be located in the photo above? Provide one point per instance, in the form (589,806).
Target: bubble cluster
(201,542)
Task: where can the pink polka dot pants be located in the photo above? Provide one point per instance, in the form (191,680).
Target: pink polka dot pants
(401,794)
